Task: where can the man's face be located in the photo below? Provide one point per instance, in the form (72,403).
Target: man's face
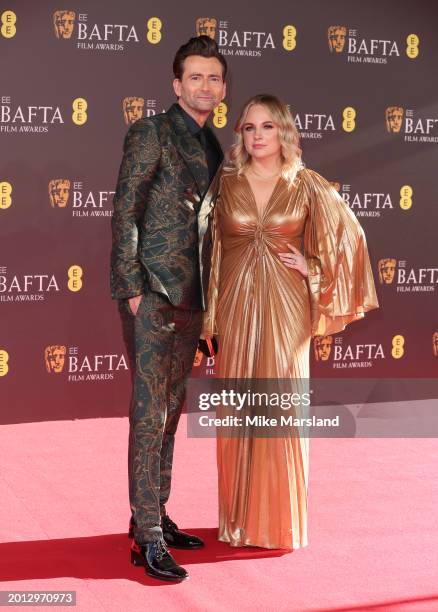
(64,23)
(337,38)
(133,109)
(201,87)
(323,348)
(56,358)
(59,192)
(387,271)
(395,119)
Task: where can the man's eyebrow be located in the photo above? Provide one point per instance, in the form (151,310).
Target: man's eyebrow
(215,74)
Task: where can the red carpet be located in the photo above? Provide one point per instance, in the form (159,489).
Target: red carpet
(64,513)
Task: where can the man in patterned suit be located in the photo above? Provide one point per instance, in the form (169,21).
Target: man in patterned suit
(160,264)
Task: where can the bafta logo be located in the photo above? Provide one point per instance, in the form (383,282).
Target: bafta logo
(206,26)
(336,38)
(394,118)
(198,358)
(435,343)
(63,22)
(132,109)
(322,347)
(386,270)
(59,190)
(336,185)
(54,356)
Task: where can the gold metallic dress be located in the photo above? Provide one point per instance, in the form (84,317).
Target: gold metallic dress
(264,315)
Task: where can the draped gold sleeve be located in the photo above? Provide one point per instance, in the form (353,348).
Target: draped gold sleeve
(209,322)
(340,277)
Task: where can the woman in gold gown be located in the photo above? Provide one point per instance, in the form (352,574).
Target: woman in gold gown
(266,301)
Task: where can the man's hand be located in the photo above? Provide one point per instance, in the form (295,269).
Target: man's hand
(134,303)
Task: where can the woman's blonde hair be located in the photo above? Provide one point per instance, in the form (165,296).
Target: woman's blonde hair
(238,157)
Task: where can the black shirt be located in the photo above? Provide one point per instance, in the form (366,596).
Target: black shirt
(204,135)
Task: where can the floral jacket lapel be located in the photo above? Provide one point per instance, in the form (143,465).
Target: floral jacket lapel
(190,150)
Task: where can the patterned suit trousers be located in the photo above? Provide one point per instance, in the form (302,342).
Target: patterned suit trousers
(161,341)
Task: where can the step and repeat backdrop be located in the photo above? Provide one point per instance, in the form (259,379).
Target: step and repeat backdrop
(360,79)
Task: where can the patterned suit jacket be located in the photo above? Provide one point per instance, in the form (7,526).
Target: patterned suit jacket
(162,205)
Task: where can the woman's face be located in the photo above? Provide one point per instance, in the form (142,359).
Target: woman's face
(260,133)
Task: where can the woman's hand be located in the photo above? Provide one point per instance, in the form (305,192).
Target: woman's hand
(294,260)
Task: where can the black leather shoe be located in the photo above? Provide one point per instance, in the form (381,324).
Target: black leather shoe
(157,561)
(176,538)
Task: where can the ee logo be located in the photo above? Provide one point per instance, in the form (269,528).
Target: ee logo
(153,35)
(349,119)
(5,194)
(289,37)
(406,197)
(4,366)
(79,115)
(75,278)
(8,21)
(220,115)
(398,344)
(412,49)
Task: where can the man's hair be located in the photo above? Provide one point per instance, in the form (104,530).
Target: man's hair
(198,45)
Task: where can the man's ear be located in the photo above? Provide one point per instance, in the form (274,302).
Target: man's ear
(177,87)
(224,92)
